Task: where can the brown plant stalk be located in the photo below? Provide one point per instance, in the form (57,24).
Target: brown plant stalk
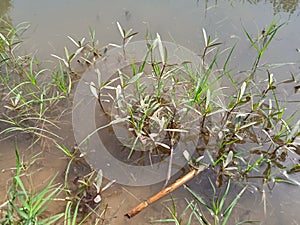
(167,190)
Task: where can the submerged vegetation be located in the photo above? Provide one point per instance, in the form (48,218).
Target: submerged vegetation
(240,134)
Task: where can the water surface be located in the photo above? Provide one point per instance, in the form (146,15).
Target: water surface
(181,22)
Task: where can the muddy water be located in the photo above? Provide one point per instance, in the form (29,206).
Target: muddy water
(38,166)
(181,22)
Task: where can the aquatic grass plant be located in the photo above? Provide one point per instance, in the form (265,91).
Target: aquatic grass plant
(85,53)
(217,208)
(33,95)
(31,104)
(156,106)
(9,42)
(83,189)
(70,217)
(261,43)
(245,134)
(28,98)
(249,125)
(126,37)
(216,212)
(26,207)
(177,217)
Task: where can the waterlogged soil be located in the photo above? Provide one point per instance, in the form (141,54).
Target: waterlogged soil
(42,166)
(39,167)
(184,23)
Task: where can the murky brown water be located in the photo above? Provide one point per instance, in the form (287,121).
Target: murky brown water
(178,21)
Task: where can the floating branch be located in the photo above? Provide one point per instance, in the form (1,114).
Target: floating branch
(179,182)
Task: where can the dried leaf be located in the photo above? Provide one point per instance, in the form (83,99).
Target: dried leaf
(219,180)
(297,88)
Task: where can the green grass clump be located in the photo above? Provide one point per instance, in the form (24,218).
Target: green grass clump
(24,207)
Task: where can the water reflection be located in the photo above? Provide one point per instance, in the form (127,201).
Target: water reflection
(5,5)
(288,6)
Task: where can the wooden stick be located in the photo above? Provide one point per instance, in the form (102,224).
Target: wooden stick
(182,180)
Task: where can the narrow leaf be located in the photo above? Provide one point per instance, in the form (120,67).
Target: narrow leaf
(75,42)
(98,181)
(205,37)
(135,78)
(228,159)
(242,91)
(121,30)
(93,89)
(161,49)
(186,155)
(108,185)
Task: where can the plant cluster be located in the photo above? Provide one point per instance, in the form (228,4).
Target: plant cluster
(219,211)
(29,100)
(244,133)
(33,100)
(25,207)
(32,95)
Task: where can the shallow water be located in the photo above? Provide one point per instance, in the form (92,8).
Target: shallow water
(180,22)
